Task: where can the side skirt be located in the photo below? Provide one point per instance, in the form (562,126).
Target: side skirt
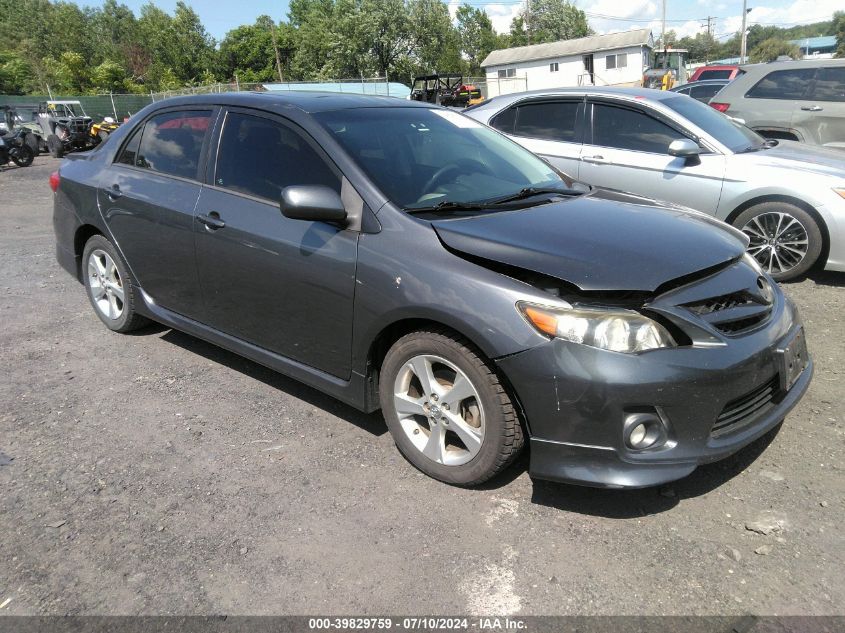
(351,392)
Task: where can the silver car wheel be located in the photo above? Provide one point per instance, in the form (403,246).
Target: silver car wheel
(106,284)
(439,409)
(778,241)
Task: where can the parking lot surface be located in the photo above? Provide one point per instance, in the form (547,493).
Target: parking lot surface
(157,474)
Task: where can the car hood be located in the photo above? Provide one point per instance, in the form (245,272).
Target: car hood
(604,240)
(801,157)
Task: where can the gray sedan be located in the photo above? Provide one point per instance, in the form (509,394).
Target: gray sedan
(788,198)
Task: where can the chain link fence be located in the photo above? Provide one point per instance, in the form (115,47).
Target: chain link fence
(96,106)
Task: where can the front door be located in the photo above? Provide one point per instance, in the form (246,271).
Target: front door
(284,285)
(629,152)
(820,114)
(148,196)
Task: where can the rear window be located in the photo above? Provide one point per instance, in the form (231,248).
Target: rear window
(171,143)
(715,74)
(783,84)
(552,120)
(704,93)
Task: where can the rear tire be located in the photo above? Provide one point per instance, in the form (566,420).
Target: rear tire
(109,286)
(54,146)
(785,239)
(462,438)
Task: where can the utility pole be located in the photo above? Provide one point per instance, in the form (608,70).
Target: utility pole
(709,38)
(663,36)
(276,49)
(527,18)
(745,11)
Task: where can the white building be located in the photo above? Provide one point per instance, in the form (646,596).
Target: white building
(601,60)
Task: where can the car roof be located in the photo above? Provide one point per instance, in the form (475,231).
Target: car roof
(717,67)
(610,91)
(306,101)
(797,63)
(703,82)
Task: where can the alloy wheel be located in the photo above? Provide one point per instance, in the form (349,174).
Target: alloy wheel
(778,241)
(106,285)
(439,409)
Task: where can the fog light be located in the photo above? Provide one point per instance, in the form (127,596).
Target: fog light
(643,430)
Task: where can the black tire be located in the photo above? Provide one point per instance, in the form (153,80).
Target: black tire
(753,222)
(502,437)
(32,140)
(23,156)
(54,146)
(102,135)
(128,319)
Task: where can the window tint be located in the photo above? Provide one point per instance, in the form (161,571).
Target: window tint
(703,93)
(830,84)
(783,84)
(553,120)
(504,120)
(171,143)
(715,74)
(260,157)
(130,150)
(631,130)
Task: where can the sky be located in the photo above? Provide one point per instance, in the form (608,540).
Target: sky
(685,17)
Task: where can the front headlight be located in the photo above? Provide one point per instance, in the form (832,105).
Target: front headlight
(612,329)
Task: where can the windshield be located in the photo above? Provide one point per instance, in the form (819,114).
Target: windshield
(421,157)
(731,134)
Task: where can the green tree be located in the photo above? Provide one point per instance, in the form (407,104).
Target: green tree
(769,50)
(838,28)
(248,52)
(15,73)
(476,34)
(550,21)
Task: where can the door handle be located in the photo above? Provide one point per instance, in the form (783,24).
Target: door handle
(812,108)
(597,159)
(212,221)
(114,192)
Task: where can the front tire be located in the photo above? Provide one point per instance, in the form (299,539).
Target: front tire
(54,146)
(23,156)
(32,140)
(109,286)
(784,238)
(446,409)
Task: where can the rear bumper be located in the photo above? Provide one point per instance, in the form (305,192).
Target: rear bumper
(576,400)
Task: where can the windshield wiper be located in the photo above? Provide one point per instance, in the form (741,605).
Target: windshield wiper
(528,192)
(449,205)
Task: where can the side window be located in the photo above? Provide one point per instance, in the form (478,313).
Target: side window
(260,157)
(829,84)
(129,153)
(782,84)
(704,92)
(504,120)
(631,130)
(552,120)
(172,142)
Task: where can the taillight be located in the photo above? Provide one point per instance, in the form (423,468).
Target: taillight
(721,107)
(54,181)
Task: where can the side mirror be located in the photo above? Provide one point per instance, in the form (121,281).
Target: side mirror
(314,203)
(684,147)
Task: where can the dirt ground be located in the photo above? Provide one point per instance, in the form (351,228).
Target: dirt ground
(157,474)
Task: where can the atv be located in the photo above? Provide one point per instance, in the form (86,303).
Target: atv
(14,148)
(12,120)
(65,126)
(447,89)
(100,131)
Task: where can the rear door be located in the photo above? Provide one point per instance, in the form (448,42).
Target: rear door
(550,128)
(820,115)
(771,103)
(148,196)
(627,149)
(284,285)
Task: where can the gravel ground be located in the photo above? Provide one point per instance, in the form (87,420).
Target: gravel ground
(157,474)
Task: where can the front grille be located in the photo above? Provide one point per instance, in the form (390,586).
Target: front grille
(737,413)
(717,304)
(732,327)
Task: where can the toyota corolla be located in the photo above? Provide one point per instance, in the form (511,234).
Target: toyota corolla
(403,257)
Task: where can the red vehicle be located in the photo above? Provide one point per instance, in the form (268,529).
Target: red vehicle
(716,71)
